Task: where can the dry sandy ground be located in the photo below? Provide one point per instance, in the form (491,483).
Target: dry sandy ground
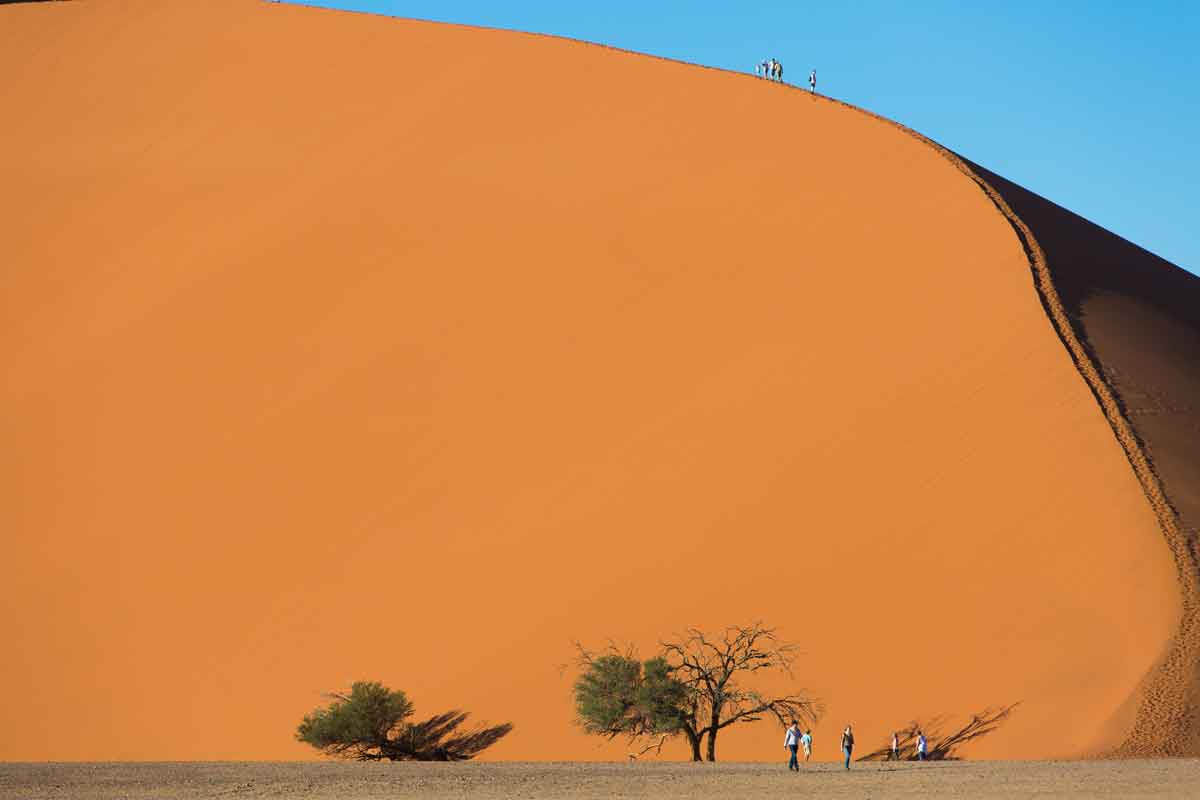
(1124,779)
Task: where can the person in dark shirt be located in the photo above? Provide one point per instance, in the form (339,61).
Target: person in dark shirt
(848,744)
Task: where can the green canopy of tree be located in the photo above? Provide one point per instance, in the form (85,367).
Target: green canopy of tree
(372,723)
(618,694)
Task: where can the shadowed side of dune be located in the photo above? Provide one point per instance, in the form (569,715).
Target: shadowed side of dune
(1137,318)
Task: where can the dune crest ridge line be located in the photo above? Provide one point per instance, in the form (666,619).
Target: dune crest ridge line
(1164,716)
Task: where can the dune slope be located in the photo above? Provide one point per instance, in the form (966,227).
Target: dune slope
(1136,317)
(326,358)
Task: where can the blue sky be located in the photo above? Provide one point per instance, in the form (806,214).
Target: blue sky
(1095,105)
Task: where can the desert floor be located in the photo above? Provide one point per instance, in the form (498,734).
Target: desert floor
(983,779)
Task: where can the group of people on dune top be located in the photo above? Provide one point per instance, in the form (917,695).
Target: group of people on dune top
(772,69)
(769,68)
(794,740)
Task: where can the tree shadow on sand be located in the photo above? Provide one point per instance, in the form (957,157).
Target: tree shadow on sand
(941,746)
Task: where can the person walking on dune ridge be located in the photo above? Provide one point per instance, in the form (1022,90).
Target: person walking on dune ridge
(848,744)
(779,71)
(812,82)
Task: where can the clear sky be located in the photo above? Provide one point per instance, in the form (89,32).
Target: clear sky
(1095,105)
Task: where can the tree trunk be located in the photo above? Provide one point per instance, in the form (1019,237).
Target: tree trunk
(694,740)
(713,727)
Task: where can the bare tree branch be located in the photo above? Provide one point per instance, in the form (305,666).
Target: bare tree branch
(657,748)
(940,745)
(712,667)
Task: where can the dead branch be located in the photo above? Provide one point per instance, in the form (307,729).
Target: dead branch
(941,746)
(657,748)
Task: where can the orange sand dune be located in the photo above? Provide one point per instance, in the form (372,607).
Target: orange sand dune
(1133,322)
(325,357)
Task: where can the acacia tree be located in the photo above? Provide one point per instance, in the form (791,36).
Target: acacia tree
(371,723)
(694,688)
(618,695)
(714,668)
(942,746)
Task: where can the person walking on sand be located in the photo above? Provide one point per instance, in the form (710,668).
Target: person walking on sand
(922,745)
(806,743)
(895,754)
(812,82)
(791,742)
(848,744)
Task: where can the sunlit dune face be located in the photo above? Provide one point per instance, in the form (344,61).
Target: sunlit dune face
(330,356)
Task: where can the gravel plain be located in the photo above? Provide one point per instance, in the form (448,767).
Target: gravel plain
(982,779)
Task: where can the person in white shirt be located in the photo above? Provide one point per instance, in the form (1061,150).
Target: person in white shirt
(921,746)
(791,741)
(895,747)
(812,82)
